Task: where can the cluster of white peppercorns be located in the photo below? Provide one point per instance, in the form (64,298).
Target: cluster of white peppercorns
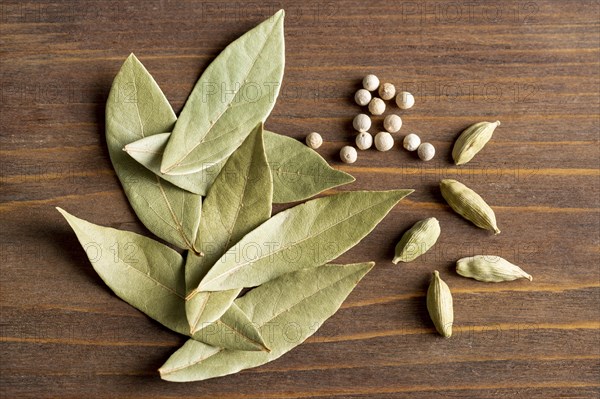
(392,123)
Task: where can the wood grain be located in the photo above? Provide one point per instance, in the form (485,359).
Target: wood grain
(531,64)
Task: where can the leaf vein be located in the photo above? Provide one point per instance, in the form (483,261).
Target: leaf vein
(137,107)
(178,223)
(239,333)
(197,318)
(319,289)
(175,369)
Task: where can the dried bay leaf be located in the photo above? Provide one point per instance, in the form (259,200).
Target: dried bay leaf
(149,151)
(150,277)
(307,235)
(298,171)
(295,303)
(238,202)
(232,331)
(144,273)
(236,91)
(136,108)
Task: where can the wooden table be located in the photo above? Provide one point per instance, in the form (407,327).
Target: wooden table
(533,65)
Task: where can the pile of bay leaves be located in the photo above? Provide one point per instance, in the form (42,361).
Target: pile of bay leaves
(205,183)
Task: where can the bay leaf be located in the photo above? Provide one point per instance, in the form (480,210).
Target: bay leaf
(238,201)
(144,273)
(235,92)
(137,108)
(233,330)
(298,171)
(149,151)
(286,310)
(306,235)
(150,277)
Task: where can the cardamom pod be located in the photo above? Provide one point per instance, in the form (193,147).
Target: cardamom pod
(469,204)
(472,140)
(417,240)
(439,305)
(491,269)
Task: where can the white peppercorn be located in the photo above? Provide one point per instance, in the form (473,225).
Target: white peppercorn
(387,91)
(392,123)
(405,100)
(362,97)
(371,82)
(364,140)
(384,141)
(348,154)
(376,106)
(411,142)
(362,122)
(314,140)
(426,151)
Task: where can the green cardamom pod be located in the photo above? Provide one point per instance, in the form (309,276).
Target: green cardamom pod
(472,140)
(469,204)
(417,240)
(489,268)
(439,305)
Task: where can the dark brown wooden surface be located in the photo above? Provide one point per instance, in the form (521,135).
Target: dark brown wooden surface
(534,65)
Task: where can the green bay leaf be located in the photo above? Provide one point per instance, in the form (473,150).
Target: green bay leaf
(298,171)
(238,201)
(306,235)
(236,91)
(136,108)
(144,273)
(286,310)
